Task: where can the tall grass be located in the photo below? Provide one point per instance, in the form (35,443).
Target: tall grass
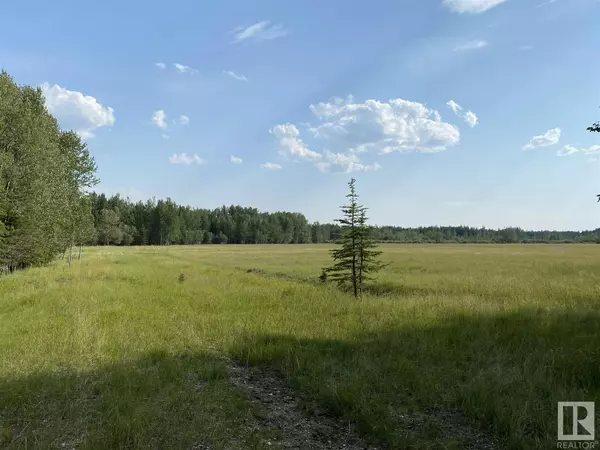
(117,350)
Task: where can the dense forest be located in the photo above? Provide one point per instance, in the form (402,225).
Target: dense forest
(118,221)
(46,208)
(44,173)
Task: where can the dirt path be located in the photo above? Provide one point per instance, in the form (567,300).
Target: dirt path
(282,419)
(298,423)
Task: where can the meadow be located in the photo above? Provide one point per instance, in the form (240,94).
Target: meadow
(451,343)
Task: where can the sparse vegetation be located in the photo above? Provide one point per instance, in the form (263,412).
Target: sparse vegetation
(114,352)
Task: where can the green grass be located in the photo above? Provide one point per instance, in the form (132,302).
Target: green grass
(115,352)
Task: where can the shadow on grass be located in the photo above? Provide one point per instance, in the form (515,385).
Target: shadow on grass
(412,386)
(158,401)
(447,385)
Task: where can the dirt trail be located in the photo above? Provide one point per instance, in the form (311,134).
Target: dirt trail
(301,423)
(281,419)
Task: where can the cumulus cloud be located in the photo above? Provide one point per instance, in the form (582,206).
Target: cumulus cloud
(235,159)
(261,31)
(290,144)
(550,137)
(161,65)
(471,6)
(182,120)
(76,111)
(346,129)
(184,69)
(235,75)
(159,118)
(384,127)
(471,45)
(270,166)
(183,158)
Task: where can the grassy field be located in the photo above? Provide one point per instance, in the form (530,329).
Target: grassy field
(115,352)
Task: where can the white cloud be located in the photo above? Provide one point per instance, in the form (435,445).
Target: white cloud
(471,6)
(159,118)
(165,136)
(454,107)
(76,111)
(346,129)
(526,48)
(182,120)
(235,159)
(570,149)
(345,163)
(290,144)
(183,158)
(550,137)
(235,75)
(261,31)
(471,118)
(471,45)
(395,125)
(161,65)
(85,134)
(567,150)
(270,166)
(184,69)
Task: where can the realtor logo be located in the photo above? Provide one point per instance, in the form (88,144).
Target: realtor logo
(576,422)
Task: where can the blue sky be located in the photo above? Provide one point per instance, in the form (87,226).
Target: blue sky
(446,112)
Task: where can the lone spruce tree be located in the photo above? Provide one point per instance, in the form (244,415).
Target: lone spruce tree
(357,257)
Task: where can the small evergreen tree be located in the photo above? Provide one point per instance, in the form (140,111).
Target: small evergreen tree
(357,257)
(368,255)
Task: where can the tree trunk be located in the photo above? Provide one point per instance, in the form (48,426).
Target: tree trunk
(70,254)
(80,247)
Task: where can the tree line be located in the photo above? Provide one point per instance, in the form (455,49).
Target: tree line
(118,221)
(44,173)
(46,208)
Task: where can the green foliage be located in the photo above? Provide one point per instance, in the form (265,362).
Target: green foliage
(490,335)
(43,172)
(109,230)
(357,257)
(164,222)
